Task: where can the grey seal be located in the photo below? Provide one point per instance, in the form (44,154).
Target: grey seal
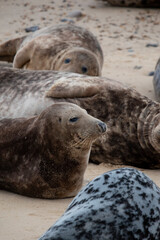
(133,120)
(120,204)
(62,48)
(156,81)
(135,3)
(46,156)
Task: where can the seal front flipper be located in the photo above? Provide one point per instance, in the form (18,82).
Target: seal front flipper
(9,48)
(23,56)
(74,87)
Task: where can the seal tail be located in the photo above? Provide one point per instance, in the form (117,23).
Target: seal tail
(9,48)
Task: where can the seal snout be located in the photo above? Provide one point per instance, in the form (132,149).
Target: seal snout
(102,126)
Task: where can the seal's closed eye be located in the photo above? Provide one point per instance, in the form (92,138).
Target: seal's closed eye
(74,119)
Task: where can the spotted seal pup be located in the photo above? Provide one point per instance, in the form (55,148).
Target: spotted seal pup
(133,120)
(156,81)
(62,48)
(120,204)
(46,156)
(135,3)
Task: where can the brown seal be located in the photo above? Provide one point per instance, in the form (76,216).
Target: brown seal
(133,137)
(156,81)
(46,156)
(66,48)
(135,3)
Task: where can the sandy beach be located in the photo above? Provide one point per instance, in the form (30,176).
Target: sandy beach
(124,34)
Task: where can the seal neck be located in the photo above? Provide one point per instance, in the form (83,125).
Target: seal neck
(148,129)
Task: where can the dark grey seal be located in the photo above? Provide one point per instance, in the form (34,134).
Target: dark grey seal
(135,3)
(156,81)
(46,156)
(133,120)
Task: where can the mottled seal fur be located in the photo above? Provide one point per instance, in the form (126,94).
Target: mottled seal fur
(120,204)
(156,81)
(135,3)
(133,120)
(66,48)
(46,156)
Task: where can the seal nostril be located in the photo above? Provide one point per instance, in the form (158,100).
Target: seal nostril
(102,126)
(84,69)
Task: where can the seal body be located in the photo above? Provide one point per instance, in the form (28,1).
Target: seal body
(156,81)
(120,204)
(133,120)
(46,156)
(135,3)
(61,48)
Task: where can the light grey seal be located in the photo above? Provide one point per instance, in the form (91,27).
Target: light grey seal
(120,204)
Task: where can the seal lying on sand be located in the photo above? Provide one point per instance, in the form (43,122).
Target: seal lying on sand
(156,81)
(135,3)
(62,48)
(134,120)
(121,204)
(46,156)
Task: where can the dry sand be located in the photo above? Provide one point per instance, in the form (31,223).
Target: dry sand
(123,34)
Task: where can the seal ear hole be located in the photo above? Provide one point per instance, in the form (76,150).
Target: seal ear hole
(84,69)
(60,119)
(74,119)
(67,60)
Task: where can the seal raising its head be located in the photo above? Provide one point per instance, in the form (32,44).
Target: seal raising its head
(121,204)
(61,48)
(46,156)
(156,81)
(134,120)
(135,3)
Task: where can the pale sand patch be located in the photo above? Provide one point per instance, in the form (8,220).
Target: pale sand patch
(123,34)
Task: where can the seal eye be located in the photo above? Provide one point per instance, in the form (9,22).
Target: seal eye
(67,60)
(74,119)
(84,69)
